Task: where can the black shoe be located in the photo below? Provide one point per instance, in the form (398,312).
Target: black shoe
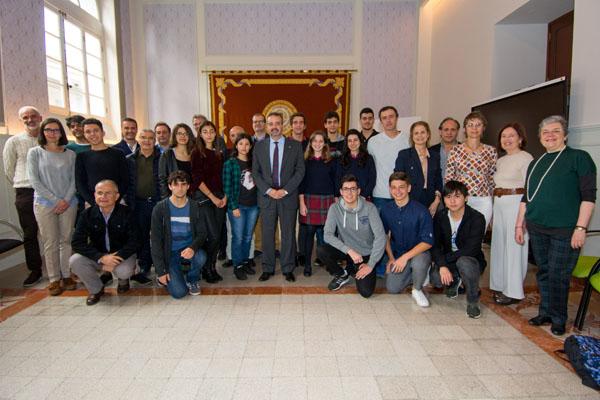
(540,320)
(141,278)
(318,263)
(338,281)
(217,275)
(503,300)
(33,278)
(247,265)
(209,275)
(307,271)
(557,330)
(106,278)
(452,290)
(265,276)
(473,310)
(289,276)
(240,273)
(94,298)
(227,264)
(123,286)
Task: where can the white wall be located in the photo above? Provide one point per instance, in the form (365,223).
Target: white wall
(584,116)
(519,57)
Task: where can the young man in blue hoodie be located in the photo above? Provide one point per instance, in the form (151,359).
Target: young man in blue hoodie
(360,239)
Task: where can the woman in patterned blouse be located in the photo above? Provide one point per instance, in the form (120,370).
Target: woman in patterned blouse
(474,164)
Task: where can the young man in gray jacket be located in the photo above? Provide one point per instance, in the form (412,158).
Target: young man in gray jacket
(360,239)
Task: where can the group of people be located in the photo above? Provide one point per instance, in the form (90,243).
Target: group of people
(379,204)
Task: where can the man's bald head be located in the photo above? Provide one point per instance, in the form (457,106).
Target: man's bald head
(106,194)
(234,132)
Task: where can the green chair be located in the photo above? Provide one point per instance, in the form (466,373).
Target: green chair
(588,268)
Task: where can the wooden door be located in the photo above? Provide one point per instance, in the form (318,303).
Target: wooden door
(560,47)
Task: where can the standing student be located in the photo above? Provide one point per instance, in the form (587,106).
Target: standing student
(177,157)
(356,161)
(508,259)
(367,122)
(74,124)
(457,254)
(422,167)
(242,205)
(317,192)
(51,170)
(207,189)
(179,229)
(335,140)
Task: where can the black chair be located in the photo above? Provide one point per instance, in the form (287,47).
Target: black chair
(9,244)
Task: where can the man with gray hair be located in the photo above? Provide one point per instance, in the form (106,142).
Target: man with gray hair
(15,169)
(106,238)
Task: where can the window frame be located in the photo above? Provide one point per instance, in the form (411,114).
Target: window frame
(68,11)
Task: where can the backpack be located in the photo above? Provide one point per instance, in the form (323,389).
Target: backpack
(584,354)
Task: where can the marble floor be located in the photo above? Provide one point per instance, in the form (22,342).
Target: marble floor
(273,340)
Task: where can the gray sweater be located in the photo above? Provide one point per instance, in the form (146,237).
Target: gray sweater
(52,176)
(359,229)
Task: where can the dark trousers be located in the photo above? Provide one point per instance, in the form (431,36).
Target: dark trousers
(24,205)
(468,270)
(307,233)
(286,217)
(143,215)
(218,221)
(555,259)
(330,256)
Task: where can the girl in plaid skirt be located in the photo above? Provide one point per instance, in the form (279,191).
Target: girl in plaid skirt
(317,192)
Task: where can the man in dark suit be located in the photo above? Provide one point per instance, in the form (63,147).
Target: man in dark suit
(448,139)
(278,169)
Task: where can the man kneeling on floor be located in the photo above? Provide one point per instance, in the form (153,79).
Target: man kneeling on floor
(459,231)
(106,238)
(179,228)
(360,239)
(410,237)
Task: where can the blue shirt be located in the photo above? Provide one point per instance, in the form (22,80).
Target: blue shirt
(181,229)
(280,146)
(409,225)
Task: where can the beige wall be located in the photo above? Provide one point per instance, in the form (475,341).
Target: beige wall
(457,38)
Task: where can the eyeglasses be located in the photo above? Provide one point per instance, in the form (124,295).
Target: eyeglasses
(50,130)
(180,133)
(349,189)
(474,125)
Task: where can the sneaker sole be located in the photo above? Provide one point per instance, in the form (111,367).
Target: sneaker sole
(340,286)
(194,294)
(33,283)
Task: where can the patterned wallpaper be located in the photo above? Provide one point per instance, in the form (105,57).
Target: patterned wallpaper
(23,58)
(171,62)
(389,51)
(126,57)
(279,28)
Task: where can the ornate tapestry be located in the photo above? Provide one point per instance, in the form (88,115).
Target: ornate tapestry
(237,95)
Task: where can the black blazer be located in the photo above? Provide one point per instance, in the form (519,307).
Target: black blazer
(409,163)
(291,172)
(468,238)
(123,235)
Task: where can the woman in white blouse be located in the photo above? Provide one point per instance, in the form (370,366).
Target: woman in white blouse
(51,170)
(508,265)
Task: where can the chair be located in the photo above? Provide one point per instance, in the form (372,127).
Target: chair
(588,268)
(9,244)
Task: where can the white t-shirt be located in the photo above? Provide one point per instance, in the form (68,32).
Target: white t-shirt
(454,229)
(385,151)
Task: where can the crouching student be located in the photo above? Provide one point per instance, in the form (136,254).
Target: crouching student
(360,239)
(178,230)
(410,229)
(458,232)
(106,238)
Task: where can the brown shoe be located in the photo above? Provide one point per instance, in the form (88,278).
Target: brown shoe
(69,284)
(54,288)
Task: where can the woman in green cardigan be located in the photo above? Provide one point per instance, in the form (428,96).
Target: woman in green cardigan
(560,193)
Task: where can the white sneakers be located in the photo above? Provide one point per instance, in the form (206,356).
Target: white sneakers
(420,298)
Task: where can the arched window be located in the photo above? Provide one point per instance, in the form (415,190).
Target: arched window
(75,58)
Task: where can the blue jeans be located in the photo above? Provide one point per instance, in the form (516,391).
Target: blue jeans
(379,202)
(242,229)
(177,285)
